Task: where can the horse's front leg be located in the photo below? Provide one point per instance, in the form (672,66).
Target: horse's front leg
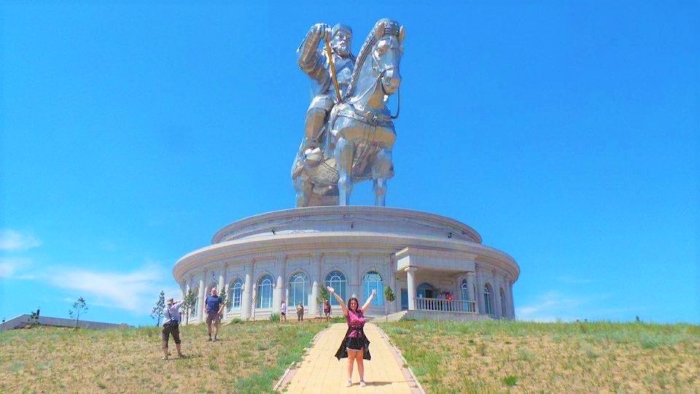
(381,168)
(344,151)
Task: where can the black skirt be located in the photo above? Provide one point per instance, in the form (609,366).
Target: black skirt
(361,343)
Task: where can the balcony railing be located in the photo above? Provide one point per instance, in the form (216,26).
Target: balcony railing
(438,304)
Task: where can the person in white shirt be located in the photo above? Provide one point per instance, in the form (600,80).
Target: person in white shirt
(171,325)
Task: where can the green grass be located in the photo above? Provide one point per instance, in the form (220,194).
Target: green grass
(501,356)
(446,357)
(248,358)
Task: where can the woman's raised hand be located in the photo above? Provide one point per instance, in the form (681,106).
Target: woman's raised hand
(330,289)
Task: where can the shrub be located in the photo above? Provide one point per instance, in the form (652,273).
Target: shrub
(510,380)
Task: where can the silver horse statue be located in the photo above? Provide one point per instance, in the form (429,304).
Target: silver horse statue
(359,135)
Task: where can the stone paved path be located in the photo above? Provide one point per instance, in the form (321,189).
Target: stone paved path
(321,373)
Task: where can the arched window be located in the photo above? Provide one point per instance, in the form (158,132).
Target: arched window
(373,281)
(503,303)
(337,281)
(488,301)
(298,289)
(264,296)
(235,294)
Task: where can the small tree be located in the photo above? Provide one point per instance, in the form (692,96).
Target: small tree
(224,300)
(190,300)
(323,295)
(33,318)
(390,297)
(157,311)
(79,307)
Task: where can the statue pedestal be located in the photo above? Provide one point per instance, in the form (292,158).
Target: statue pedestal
(289,254)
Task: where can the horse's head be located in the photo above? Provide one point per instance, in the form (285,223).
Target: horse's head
(378,62)
(386,54)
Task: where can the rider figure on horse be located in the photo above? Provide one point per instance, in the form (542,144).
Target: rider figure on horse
(317,64)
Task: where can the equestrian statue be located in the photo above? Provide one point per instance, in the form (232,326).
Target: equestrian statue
(349,130)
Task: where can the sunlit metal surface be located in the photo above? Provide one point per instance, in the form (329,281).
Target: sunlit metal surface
(348,139)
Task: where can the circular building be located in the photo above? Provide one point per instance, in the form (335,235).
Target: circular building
(437,267)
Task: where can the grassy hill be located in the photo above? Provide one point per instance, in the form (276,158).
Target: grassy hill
(446,357)
(520,357)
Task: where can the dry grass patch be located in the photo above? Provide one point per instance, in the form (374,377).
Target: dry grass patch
(554,357)
(248,358)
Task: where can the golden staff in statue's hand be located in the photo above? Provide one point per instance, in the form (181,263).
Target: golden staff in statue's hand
(329,53)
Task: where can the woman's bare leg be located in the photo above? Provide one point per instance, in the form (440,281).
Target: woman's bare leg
(360,364)
(353,355)
(351,360)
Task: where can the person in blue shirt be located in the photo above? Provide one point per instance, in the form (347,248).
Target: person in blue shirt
(215,307)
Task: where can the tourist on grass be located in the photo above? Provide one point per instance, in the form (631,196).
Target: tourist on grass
(283,311)
(171,325)
(355,345)
(327,310)
(300,312)
(215,306)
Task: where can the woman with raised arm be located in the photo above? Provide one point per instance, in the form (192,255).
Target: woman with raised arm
(355,345)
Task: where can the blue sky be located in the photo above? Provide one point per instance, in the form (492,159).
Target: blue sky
(566,133)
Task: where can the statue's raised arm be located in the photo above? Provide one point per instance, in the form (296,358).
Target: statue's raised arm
(311,60)
(318,65)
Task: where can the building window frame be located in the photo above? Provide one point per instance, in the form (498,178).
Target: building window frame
(264,297)
(338,281)
(372,280)
(299,288)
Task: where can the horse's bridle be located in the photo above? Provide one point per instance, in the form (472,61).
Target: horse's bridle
(375,66)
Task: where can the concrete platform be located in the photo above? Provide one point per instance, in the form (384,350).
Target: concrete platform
(321,373)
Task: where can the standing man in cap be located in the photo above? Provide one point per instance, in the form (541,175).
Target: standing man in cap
(316,63)
(171,325)
(215,306)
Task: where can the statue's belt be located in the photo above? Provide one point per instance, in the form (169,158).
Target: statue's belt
(372,118)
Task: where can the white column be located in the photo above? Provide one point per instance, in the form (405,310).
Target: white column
(316,282)
(357,288)
(470,289)
(246,296)
(411,284)
(200,298)
(252,304)
(512,302)
(480,308)
(470,286)
(280,293)
(497,296)
(505,302)
(277,295)
(222,271)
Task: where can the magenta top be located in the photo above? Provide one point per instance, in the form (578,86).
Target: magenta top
(355,320)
